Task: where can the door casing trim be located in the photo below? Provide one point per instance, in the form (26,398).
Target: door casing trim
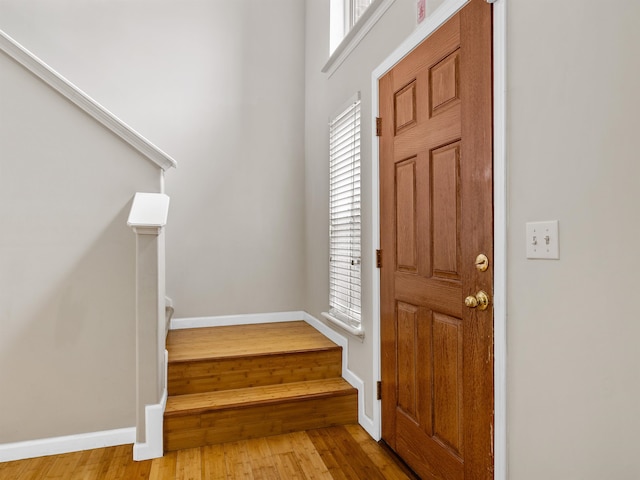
(431,24)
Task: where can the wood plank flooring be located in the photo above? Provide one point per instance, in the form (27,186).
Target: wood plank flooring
(341,453)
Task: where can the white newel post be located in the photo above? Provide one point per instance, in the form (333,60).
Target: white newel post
(148,218)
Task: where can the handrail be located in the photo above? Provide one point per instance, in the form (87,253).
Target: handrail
(56,81)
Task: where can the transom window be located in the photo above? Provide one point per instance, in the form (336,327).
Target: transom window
(344,15)
(356,9)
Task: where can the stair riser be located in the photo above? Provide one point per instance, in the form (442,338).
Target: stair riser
(233,373)
(228,425)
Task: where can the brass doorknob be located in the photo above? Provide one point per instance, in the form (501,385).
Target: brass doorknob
(480,300)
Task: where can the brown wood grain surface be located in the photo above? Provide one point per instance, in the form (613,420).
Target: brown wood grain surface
(324,454)
(249,381)
(436,208)
(210,375)
(244,340)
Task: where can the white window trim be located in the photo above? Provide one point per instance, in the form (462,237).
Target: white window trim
(351,40)
(357,332)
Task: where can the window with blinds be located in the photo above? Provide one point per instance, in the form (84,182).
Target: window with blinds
(344,213)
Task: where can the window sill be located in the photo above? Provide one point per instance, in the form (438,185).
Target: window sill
(369,18)
(357,332)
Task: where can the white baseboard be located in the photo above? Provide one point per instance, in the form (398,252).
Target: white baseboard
(153,422)
(226,320)
(66,444)
(356,382)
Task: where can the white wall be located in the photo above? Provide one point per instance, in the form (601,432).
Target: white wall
(573,326)
(219,85)
(67,265)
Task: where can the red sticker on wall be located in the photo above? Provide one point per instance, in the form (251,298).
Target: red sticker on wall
(422,10)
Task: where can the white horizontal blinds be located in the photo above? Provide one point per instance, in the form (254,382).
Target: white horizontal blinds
(344,204)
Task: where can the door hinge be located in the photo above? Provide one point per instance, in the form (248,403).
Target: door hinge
(378,127)
(379,390)
(378,258)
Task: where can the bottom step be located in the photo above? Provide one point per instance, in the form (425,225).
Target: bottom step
(226,416)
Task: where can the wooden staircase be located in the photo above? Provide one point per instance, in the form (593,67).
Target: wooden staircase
(233,383)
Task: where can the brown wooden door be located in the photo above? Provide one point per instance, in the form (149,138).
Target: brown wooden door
(436,217)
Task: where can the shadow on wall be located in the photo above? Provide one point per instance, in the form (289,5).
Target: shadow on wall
(67,343)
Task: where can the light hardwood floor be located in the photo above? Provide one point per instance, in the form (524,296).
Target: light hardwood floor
(344,452)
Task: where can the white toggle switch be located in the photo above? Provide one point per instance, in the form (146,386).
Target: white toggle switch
(542,240)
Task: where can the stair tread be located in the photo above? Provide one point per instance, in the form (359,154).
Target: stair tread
(262,395)
(244,340)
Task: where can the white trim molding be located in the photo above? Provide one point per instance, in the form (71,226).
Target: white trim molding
(356,382)
(66,444)
(446,10)
(226,320)
(63,86)
(500,314)
(356,332)
(154,423)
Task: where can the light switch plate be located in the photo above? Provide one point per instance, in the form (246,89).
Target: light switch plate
(542,240)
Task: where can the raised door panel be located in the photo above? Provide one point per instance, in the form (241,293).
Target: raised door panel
(445,211)
(447,382)
(405,107)
(405,208)
(407,347)
(444,84)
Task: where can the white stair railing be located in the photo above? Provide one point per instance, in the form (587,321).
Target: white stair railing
(147,218)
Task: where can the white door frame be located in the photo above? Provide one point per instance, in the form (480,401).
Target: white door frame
(432,23)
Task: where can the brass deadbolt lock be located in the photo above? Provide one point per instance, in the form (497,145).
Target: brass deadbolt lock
(482,262)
